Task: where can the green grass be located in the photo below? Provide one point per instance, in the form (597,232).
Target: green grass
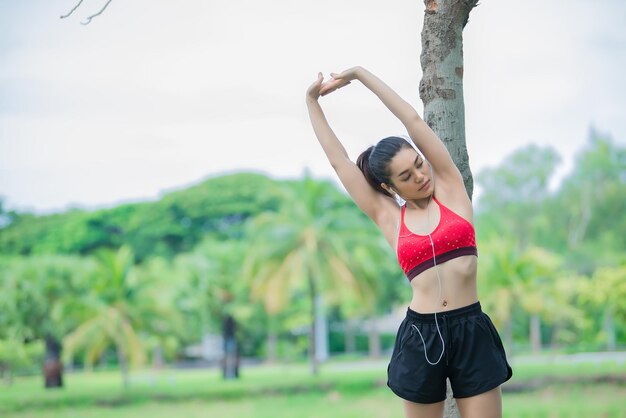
(561,402)
(543,367)
(342,389)
(568,401)
(105,388)
(377,403)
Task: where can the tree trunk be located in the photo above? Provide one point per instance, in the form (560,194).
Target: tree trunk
(535,332)
(374,339)
(313,331)
(157,357)
(272,346)
(230,362)
(609,328)
(272,340)
(53,368)
(508,336)
(7,377)
(349,337)
(123,363)
(441,89)
(321,329)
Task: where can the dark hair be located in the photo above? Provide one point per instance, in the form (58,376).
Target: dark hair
(374,161)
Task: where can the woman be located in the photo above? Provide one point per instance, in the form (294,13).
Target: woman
(445,334)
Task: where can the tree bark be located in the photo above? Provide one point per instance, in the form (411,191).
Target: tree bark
(313,330)
(123,363)
(374,339)
(321,329)
(441,90)
(349,337)
(272,346)
(535,332)
(508,336)
(157,357)
(609,328)
(230,362)
(53,368)
(5,373)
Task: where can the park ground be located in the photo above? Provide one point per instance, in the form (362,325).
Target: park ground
(548,386)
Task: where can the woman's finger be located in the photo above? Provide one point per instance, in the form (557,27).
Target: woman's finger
(331,86)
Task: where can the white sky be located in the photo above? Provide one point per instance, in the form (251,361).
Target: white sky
(157,95)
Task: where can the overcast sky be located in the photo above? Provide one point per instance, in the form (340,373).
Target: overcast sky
(157,95)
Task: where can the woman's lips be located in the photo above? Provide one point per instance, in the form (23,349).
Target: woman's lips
(424,185)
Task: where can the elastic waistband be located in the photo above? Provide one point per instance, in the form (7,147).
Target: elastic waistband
(465,311)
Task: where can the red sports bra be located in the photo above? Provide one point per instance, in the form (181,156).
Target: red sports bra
(453,237)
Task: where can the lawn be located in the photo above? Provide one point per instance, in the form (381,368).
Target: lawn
(343,389)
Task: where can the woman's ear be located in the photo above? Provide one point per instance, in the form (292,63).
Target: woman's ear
(388,189)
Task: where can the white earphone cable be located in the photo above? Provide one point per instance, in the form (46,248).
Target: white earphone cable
(432,245)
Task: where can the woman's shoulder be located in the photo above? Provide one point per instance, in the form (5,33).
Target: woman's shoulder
(389,215)
(456,199)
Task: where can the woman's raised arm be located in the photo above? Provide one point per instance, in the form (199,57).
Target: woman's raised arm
(422,136)
(370,201)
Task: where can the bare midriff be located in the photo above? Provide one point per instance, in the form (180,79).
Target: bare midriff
(458,286)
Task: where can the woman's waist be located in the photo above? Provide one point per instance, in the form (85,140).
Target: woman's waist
(455,291)
(430,305)
(450,314)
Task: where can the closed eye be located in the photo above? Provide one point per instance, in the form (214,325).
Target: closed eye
(418,163)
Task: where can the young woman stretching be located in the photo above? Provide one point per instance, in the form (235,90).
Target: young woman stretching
(445,334)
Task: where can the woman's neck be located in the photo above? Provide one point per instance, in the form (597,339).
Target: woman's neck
(419,203)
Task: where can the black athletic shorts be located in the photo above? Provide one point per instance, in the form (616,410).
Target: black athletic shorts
(473,359)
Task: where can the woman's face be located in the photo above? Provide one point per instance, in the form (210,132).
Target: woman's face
(410,175)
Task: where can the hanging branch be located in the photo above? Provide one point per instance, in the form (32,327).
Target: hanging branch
(86,21)
(72,11)
(97,14)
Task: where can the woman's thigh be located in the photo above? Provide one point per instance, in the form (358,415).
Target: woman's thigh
(485,405)
(423,410)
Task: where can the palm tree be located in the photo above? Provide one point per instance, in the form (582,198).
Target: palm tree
(528,280)
(564,312)
(388,285)
(213,287)
(303,248)
(121,305)
(606,290)
(35,290)
(501,275)
(541,270)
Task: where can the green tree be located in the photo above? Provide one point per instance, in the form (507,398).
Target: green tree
(214,291)
(607,292)
(567,317)
(35,290)
(515,193)
(15,355)
(541,270)
(301,249)
(121,306)
(173,224)
(501,276)
(375,263)
(588,211)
